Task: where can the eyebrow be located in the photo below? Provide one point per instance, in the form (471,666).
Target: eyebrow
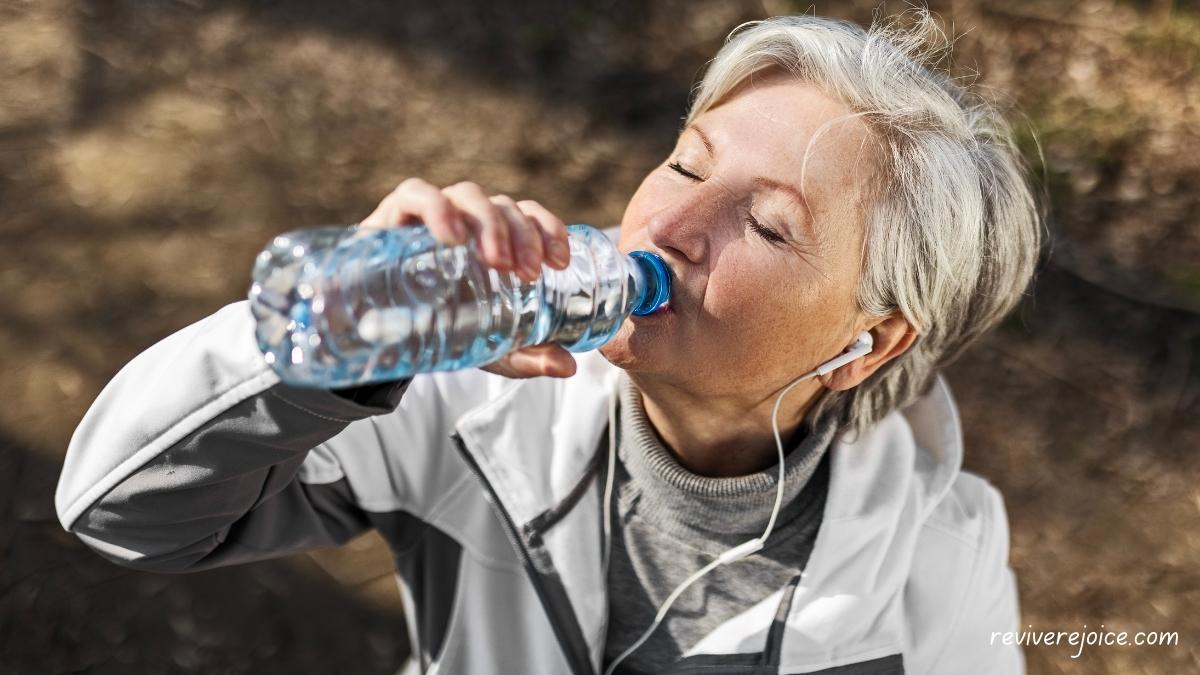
(757,180)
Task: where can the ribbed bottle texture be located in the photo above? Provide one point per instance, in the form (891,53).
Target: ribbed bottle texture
(341,306)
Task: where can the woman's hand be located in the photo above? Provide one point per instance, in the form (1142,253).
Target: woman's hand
(513,237)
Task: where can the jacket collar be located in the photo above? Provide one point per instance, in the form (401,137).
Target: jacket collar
(534,442)
(848,605)
(535,438)
(535,466)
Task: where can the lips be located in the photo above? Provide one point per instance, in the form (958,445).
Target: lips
(663,310)
(672,302)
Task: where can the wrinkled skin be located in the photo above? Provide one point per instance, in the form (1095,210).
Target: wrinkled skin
(753,306)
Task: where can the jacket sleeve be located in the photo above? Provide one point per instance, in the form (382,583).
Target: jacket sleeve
(989,610)
(192,456)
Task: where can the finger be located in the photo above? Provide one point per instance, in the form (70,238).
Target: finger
(415,200)
(553,232)
(486,220)
(551,360)
(526,240)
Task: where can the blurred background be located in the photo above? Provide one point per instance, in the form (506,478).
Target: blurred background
(149,149)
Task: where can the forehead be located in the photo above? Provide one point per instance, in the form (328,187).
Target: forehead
(768,125)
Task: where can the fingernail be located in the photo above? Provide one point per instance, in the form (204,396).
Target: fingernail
(460,229)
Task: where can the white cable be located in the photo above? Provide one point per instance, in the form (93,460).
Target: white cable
(779,446)
(662,612)
(861,347)
(736,553)
(608,481)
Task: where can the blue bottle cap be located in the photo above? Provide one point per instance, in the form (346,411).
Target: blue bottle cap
(658,281)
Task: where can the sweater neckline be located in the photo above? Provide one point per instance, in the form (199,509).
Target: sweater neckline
(665,493)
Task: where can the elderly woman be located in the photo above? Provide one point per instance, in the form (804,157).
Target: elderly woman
(622,511)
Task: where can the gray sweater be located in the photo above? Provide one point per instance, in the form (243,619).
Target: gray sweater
(668,522)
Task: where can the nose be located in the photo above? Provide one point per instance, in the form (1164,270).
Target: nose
(684,226)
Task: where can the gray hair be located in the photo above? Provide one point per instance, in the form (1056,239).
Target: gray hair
(952,226)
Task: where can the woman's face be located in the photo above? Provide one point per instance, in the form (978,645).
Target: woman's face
(765,268)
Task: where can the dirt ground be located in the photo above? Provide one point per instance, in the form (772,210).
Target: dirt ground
(149,149)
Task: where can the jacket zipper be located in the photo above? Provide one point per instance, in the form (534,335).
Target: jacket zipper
(580,664)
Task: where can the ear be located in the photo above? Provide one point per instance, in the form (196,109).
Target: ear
(892,335)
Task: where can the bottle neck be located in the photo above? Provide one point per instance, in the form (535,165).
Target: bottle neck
(637,283)
(584,306)
(590,315)
(650,282)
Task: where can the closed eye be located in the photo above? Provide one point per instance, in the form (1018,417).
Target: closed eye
(678,168)
(752,222)
(764,232)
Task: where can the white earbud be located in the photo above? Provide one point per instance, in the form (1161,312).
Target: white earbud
(862,346)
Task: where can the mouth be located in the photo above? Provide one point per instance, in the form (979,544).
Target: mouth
(663,309)
(666,308)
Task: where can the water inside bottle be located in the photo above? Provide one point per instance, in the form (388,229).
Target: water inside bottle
(335,309)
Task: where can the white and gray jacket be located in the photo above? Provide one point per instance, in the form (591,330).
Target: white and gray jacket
(487,490)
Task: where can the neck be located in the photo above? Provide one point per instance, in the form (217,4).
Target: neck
(725,435)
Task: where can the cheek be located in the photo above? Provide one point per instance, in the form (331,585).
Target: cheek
(746,288)
(782,310)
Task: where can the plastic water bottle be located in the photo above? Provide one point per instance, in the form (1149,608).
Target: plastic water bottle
(342,306)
